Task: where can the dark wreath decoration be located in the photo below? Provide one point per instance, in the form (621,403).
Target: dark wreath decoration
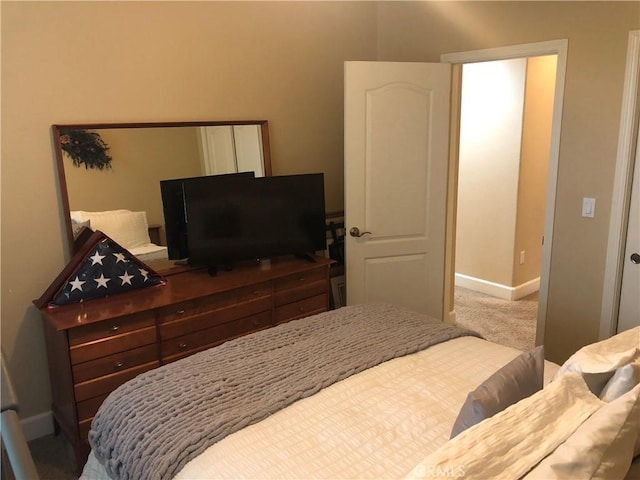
(85,147)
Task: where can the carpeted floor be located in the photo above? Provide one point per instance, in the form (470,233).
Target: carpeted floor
(53,457)
(511,323)
(499,321)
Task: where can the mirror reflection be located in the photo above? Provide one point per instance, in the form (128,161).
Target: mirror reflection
(110,193)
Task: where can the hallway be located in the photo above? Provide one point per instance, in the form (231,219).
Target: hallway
(511,323)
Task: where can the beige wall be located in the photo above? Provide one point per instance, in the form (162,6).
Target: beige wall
(505,134)
(142,61)
(141,158)
(93,62)
(534,167)
(489,167)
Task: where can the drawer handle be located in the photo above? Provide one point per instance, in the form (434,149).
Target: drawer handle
(182,346)
(302,279)
(301,309)
(180,312)
(114,328)
(119,365)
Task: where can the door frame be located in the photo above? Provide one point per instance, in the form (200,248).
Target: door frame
(621,196)
(552,47)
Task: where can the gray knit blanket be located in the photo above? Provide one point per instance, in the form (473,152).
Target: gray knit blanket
(151,426)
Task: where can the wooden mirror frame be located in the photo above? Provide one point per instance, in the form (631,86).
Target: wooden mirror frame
(64,191)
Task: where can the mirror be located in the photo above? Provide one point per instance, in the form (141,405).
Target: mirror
(109,167)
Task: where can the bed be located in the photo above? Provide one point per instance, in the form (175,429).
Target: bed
(362,400)
(129,229)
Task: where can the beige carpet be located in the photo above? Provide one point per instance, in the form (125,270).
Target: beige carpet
(53,457)
(511,323)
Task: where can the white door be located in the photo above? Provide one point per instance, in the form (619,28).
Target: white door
(231,149)
(629,311)
(218,149)
(396,160)
(248,147)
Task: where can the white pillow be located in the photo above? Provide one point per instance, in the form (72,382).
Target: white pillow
(510,443)
(601,448)
(598,361)
(129,229)
(82,216)
(625,378)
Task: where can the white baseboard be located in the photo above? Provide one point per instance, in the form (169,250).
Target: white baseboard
(496,289)
(37,426)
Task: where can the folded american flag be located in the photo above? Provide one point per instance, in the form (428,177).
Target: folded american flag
(103,268)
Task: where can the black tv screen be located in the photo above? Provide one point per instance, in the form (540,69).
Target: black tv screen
(175,208)
(255,218)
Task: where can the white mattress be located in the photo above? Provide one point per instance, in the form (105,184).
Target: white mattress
(379,423)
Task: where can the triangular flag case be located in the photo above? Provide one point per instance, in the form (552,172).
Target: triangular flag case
(100,268)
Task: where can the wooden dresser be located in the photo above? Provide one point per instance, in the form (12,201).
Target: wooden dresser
(95,346)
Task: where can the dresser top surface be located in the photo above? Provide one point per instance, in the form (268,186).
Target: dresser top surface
(183,286)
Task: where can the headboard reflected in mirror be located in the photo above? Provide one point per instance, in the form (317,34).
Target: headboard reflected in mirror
(118,167)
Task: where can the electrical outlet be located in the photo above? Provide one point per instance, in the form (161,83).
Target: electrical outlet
(522,257)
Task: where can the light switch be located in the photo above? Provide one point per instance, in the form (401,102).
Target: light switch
(588,207)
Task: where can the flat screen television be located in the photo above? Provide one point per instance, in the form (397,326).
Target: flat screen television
(175,208)
(255,219)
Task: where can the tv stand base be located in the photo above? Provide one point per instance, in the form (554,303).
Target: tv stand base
(307,256)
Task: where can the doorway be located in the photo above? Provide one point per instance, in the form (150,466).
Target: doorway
(505,133)
(512,276)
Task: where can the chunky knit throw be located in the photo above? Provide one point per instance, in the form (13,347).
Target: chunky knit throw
(151,426)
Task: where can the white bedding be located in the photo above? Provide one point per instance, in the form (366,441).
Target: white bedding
(129,229)
(150,252)
(379,423)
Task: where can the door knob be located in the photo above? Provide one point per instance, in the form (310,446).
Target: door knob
(355,232)
(635,258)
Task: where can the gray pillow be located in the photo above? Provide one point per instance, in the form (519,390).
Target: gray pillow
(518,379)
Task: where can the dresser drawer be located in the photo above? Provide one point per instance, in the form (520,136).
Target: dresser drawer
(302,308)
(109,346)
(304,290)
(301,279)
(202,339)
(111,328)
(88,408)
(215,317)
(99,386)
(212,302)
(114,363)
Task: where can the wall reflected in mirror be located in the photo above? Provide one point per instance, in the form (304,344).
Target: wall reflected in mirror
(144,154)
